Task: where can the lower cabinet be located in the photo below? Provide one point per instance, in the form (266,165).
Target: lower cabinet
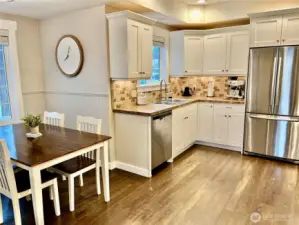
(184,128)
(221,124)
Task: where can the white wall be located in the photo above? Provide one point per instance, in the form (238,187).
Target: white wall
(86,94)
(30,62)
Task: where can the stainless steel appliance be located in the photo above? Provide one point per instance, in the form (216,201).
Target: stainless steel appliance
(161,138)
(272,107)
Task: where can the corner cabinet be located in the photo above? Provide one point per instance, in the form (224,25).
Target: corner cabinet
(186,54)
(130,45)
(275,30)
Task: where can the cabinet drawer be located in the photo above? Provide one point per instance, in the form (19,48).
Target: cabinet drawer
(230,108)
(184,111)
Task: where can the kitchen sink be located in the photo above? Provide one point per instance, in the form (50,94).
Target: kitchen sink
(173,101)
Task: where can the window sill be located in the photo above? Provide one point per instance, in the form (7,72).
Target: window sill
(150,87)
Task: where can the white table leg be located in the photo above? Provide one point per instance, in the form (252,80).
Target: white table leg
(98,174)
(105,171)
(37,197)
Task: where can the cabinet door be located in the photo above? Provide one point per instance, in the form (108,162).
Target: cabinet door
(220,127)
(146,50)
(193,55)
(237,53)
(205,122)
(266,31)
(235,129)
(190,124)
(290,29)
(178,134)
(214,54)
(134,49)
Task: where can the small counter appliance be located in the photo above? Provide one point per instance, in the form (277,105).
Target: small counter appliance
(236,89)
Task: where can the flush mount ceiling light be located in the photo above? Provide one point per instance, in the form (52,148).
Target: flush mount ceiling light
(7,0)
(201,1)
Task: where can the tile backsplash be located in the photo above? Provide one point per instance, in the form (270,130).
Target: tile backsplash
(124,90)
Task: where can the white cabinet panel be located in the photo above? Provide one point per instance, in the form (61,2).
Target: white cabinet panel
(205,122)
(220,127)
(146,49)
(193,55)
(237,53)
(214,54)
(266,31)
(235,129)
(134,49)
(290,29)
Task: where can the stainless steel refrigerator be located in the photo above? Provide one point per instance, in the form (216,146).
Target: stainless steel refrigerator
(272,103)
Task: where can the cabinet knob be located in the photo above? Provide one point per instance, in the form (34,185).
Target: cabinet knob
(229,116)
(225,115)
(226,70)
(283,40)
(277,41)
(222,70)
(186,71)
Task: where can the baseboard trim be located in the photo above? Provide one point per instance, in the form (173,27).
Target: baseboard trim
(237,149)
(112,165)
(133,169)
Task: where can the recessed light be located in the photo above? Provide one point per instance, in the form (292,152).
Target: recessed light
(201,1)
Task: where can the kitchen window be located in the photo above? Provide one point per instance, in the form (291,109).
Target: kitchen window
(158,63)
(5,107)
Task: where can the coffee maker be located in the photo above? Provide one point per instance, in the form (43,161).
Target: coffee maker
(236,89)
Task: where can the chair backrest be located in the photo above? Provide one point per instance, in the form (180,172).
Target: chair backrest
(54,118)
(7,178)
(89,124)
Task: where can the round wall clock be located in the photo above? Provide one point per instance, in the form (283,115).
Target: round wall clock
(69,55)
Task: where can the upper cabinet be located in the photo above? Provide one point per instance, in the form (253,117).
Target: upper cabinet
(274,30)
(212,52)
(186,54)
(226,54)
(130,45)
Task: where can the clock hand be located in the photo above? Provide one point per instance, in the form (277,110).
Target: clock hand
(68,53)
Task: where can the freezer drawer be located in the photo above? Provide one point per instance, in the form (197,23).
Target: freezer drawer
(276,136)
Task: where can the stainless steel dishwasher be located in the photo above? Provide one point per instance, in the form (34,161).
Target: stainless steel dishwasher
(161,138)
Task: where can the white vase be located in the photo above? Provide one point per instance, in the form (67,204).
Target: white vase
(34,130)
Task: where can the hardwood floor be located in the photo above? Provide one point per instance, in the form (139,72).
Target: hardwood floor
(204,186)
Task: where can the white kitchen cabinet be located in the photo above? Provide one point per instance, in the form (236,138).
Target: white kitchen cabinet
(229,124)
(220,127)
(214,54)
(130,45)
(184,128)
(290,29)
(237,53)
(205,122)
(226,54)
(266,31)
(235,129)
(193,55)
(186,54)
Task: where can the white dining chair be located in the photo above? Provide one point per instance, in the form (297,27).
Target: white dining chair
(82,164)
(54,118)
(17,185)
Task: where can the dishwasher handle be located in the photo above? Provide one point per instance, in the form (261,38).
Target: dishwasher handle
(162,115)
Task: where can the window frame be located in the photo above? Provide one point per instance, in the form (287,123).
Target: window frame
(163,70)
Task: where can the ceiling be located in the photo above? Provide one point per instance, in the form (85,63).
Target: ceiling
(46,8)
(210,2)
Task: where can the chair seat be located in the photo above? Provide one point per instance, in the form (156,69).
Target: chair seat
(23,180)
(75,164)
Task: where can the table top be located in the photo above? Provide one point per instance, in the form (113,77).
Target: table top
(55,142)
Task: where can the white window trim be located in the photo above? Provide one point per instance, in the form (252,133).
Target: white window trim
(14,82)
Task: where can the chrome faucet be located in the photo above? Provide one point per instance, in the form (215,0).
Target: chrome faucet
(161,86)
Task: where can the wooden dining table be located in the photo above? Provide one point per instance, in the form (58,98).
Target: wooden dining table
(56,145)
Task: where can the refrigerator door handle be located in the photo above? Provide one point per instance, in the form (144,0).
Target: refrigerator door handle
(273,87)
(279,118)
(278,82)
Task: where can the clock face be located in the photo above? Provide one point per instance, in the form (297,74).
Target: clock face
(69,55)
